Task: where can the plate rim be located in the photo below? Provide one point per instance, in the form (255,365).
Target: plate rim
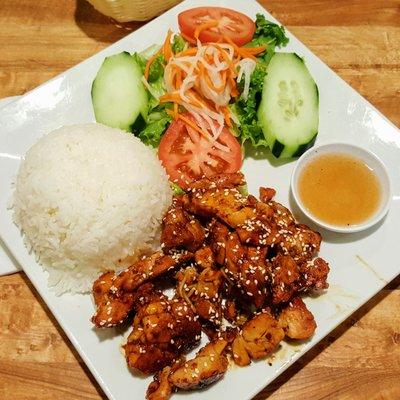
(309,345)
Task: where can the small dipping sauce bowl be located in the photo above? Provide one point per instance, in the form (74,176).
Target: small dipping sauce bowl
(354,163)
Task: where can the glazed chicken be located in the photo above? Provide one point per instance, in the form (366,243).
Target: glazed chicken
(287,277)
(181,230)
(113,305)
(208,366)
(267,194)
(200,285)
(244,266)
(234,311)
(113,293)
(163,330)
(297,321)
(228,255)
(258,338)
(251,218)
(220,181)
(284,275)
(300,242)
(314,275)
(160,388)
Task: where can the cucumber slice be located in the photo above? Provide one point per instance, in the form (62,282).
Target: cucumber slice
(289,110)
(118,95)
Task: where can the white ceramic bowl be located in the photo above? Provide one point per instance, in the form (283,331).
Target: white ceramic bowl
(370,159)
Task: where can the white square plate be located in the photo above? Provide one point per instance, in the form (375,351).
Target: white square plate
(361,264)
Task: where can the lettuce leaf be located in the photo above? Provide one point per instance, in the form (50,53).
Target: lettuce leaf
(156,70)
(246,110)
(156,125)
(157,121)
(140,60)
(178,44)
(269,32)
(176,189)
(271,35)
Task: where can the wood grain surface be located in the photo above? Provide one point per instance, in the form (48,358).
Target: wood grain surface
(360,40)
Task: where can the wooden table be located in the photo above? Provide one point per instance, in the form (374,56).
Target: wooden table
(360,40)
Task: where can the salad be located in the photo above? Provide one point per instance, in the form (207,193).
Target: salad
(209,88)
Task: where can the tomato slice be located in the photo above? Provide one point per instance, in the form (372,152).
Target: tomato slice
(235,25)
(187,155)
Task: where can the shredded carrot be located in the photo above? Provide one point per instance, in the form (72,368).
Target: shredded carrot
(197,101)
(202,70)
(179,79)
(241,51)
(254,50)
(167,50)
(234,92)
(209,58)
(226,58)
(188,52)
(173,113)
(207,25)
(170,112)
(201,100)
(227,115)
(192,125)
(170,97)
(176,76)
(232,83)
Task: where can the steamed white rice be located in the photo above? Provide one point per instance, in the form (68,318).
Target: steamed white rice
(89,198)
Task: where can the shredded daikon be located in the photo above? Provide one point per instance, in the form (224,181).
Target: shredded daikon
(203,80)
(246,68)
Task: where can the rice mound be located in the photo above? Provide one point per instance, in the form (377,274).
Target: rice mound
(89,198)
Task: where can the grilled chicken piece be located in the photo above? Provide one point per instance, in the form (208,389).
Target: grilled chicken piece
(162,331)
(297,321)
(113,292)
(200,288)
(267,194)
(282,216)
(234,313)
(180,230)
(230,311)
(314,274)
(226,204)
(150,268)
(219,181)
(244,266)
(113,306)
(160,388)
(145,294)
(300,242)
(285,275)
(258,338)
(237,309)
(260,229)
(209,365)
(204,257)
(252,219)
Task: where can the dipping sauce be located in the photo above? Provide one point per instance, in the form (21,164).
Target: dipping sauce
(339,189)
